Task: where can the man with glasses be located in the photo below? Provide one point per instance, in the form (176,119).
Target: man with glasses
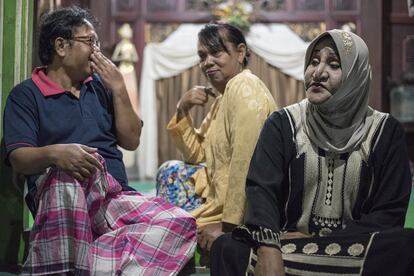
(92,41)
(61,128)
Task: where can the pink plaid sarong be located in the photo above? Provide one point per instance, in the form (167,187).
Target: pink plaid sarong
(94,228)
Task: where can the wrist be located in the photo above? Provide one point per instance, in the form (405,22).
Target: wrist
(118,88)
(268,250)
(51,155)
(182,109)
(181,113)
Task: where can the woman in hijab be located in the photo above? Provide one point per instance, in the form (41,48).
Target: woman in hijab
(329,181)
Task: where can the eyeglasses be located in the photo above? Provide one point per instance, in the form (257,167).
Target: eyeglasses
(90,40)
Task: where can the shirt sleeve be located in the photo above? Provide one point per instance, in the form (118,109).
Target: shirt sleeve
(188,139)
(264,183)
(247,106)
(21,124)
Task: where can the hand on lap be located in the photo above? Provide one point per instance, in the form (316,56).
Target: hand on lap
(207,234)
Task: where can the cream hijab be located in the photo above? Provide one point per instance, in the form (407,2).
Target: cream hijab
(341,123)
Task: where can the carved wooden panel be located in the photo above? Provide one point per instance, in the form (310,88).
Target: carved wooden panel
(162,5)
(308,31)
(157,32)
(198,5)
(266,5)
(310,5)
(346,5)
(408,55)
(275,5)
(124,7)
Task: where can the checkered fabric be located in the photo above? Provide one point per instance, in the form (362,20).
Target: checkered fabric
(94,228)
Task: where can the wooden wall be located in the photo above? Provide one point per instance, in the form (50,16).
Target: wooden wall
(366,15)
(398,28)
(384,25)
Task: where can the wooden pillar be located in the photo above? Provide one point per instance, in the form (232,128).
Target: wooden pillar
(372,22)
(16,24)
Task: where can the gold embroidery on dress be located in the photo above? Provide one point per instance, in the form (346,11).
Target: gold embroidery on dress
(289,248)
(356,249)
(332,249)
(310,248)
(347,40)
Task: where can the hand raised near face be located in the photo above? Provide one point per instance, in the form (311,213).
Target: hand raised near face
(198,95)
(107,70)
(77,160)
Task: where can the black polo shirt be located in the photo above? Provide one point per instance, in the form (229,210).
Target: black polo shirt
(39,112)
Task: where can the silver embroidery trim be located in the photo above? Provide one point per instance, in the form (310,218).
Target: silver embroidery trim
(356,249)
(310,248)
(332,249)
(288,248)
(263,235)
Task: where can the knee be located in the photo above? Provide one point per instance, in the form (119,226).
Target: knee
(221,245)
(221,261)
(167,168)
(229,256)
(168,165)
(172,212)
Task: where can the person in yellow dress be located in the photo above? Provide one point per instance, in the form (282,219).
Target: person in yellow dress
(210,182)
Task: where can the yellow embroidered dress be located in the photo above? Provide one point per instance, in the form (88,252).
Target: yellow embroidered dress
(224,142)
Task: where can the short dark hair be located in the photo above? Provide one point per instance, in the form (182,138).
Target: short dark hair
(60,23)
(213,35)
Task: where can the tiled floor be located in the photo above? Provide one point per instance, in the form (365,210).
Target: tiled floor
(144,187)
(409,218)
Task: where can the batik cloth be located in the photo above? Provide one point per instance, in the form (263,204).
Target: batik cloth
(94,228)
(176,185)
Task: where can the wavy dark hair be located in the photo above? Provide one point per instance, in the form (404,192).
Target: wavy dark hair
(214,34)
(60,23)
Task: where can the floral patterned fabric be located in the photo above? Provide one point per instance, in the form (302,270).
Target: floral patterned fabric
(174,183)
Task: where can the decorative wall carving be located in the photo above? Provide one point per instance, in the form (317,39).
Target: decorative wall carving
(124,7)
(311,5)
(161,5)
(157,32)
(346,5)
(308,31)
